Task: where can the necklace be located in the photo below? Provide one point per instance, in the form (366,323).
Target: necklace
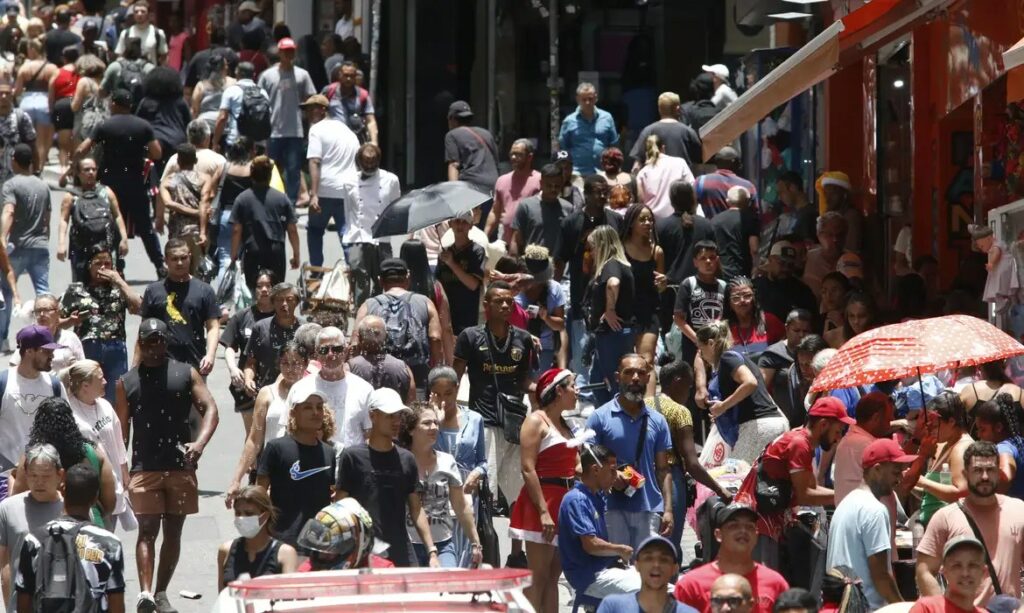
(508,341)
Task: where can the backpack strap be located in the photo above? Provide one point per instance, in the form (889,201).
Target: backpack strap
(332,90)
(4,376)
(54,386)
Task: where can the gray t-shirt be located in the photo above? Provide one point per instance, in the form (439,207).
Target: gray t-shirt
(540,223)
(286,89)
(19,515)
(31,199)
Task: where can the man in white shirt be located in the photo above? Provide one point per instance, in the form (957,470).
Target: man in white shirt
(860,533)
(154,41)
(332,168)
(348,395)
(365,198)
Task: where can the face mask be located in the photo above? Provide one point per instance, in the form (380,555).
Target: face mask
(248,526)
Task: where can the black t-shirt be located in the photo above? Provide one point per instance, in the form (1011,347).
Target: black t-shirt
(539,223)
(780,296)
(236,335)
(55,42)
(701,303)
(197,67)
(463,302)
(573,251)
(265,343)
(807,223)
(125,139)
(755,406)
(474,149)
(381,481)
(185,308)
(265,215)
(159,403)
(624,305)
(486,362)
(677,243)
(680,141)
(733,228)
(300,482)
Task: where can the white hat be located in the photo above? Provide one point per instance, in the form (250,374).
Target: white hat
(719,70)
(303,390)
(386,400)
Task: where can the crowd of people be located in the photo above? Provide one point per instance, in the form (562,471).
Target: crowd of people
(626,329)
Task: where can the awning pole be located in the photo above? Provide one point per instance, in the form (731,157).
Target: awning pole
(556,120)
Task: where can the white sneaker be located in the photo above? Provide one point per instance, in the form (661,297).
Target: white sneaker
(145,603)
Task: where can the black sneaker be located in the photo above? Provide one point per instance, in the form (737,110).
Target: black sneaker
(516,560)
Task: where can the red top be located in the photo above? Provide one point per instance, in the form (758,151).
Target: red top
(65,84)
(790,453)
(694,588)
(940,604)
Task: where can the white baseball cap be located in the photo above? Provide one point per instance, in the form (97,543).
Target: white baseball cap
(719,70)
(303,390)
(386,400)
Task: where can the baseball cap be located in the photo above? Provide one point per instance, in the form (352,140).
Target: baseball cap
(884,450)
(393,267)
(961,541)
(286,44)
(121,97)
(152,326)
(36,337)
(386,400)
(316,100)
(1003,603)
(303,390)
(11,8)
(718,70)
(784,250)
(250,6)
(656,539)
(851,266)
(460,108)
(831,407)
(731,510)
(561,156)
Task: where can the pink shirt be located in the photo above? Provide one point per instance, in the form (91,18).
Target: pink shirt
(655,180)
(847,464)
(509,189)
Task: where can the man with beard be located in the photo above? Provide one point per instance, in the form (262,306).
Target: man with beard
(640,439)
(522,182)
(995,520)
(963,567)
(860,534)
(736,533)
(790,458)
(379,368)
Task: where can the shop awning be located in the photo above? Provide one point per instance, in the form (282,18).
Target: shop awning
(1013,64)
(840,44)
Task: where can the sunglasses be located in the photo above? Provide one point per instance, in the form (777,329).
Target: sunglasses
(326,349)
(732,601)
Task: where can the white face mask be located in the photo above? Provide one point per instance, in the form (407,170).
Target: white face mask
(248,526)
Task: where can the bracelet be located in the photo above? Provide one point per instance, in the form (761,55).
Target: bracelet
(432,551)
(476,546)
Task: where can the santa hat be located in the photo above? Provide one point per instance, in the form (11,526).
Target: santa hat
(831,177)
(551,378)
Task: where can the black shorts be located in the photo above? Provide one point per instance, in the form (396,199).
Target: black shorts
(63,117)
(647,322)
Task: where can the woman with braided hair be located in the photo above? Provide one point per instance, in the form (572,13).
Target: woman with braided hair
(999,421)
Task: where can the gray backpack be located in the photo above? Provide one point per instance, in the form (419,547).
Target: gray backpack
(61,583)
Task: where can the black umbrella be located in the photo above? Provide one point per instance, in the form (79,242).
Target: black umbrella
(422,208)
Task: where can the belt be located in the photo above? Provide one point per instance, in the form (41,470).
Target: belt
(559,481)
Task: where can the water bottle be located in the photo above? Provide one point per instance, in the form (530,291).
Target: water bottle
(945,477)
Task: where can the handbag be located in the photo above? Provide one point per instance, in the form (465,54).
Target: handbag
(511,410)
(993,577)
(489,544)
(772,496)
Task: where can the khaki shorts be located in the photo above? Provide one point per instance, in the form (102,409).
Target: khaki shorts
(174,492)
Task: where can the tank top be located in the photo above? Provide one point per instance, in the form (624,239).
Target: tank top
(233,186)
(65,83)
(277,415)
(554,457)
(643,278)
(238,562)
(929,503)
(209,106)
(159,403)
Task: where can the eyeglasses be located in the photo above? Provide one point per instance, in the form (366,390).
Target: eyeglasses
(326,349)
(718,602)
(41,310)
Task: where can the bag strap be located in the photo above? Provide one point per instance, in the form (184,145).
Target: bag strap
(988,559)
(481,139)
(643,436)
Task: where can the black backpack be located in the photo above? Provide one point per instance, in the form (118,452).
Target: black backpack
(133,73)
(254,117)
(62,585)
(696,114)
(92,223)
(406,333)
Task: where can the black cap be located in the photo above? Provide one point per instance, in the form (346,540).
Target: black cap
(121,97)
(731,510)
(23,155)
(460,109)
(561,156)
(150,327)
(393,267)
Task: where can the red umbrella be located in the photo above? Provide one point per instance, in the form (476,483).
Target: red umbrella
(914,347)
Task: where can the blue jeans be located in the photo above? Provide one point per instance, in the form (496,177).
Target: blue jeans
(222,254)
(631,527)
(288,153)
(609,348)
(678,504)
(577,337)
(445,554)
(317,227)
(113,358)
(36,262)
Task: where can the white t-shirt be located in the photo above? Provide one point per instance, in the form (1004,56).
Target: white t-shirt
(860,529)
(349,398)
(345,28)
(434,496)
(100,424)
(365,199)
(153,44)
(17,411)
(336,146)
(208,162)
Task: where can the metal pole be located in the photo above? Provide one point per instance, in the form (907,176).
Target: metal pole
(374,47)
(553,71)
(410,91)
(492,104)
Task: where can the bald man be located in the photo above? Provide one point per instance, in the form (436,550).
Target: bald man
(731,594)
(737,233)
(380,369)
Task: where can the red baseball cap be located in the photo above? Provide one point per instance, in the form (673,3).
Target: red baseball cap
(829,406)
(884,450)
(285,44)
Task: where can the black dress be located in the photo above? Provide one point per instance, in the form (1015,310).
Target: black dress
(238,562)
(646,297)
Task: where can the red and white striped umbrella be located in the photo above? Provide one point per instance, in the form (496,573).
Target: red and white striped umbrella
(914,347)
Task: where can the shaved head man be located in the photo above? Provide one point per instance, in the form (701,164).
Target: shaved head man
(731,594)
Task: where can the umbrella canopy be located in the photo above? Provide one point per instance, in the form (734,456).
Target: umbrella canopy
(422,208)
(914,347)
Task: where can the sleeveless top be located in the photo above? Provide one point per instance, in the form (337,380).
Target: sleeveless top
(65,83)
(277,415)
(209,106)
(929,503)
(647,300)
(555,458)
(96,512)
(238,563)
(233,186)
(159,403)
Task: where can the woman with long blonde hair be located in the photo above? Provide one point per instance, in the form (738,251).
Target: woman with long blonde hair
(655,179)
(611,308)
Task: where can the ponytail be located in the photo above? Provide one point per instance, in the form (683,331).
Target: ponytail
(652,146)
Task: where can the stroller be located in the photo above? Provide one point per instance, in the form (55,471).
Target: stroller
(325,294)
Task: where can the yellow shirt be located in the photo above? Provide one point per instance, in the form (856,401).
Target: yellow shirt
(675,414)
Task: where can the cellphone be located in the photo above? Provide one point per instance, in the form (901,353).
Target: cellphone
(190,595)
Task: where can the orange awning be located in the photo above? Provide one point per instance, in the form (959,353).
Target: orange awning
(1013,64)
(839,45)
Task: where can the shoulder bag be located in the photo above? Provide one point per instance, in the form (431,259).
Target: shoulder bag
(511,410)
(772,496)
(988,559)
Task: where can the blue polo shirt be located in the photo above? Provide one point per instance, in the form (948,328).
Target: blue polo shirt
(618,431)
(581,514)
(585,139)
